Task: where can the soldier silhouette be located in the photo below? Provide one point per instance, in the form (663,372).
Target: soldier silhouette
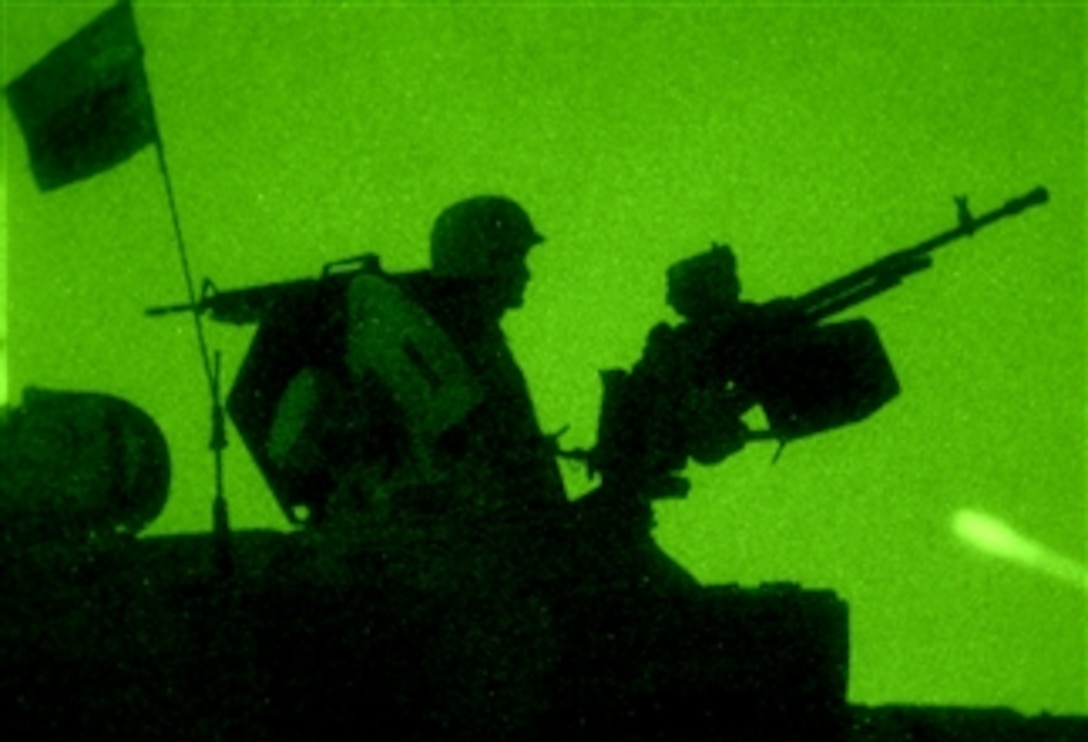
(468,438)
(395,396)
(400,403)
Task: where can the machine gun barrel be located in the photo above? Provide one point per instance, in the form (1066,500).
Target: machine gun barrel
(886,273)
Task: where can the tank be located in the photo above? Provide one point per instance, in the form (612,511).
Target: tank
(407,629)
(145,638)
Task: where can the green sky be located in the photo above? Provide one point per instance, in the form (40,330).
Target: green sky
(812,140)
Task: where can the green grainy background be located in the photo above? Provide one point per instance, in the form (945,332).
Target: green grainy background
(811,139)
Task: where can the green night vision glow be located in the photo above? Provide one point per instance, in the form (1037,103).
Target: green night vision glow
(991,536)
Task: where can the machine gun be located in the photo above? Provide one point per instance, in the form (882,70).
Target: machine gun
(807,377)
(247,306)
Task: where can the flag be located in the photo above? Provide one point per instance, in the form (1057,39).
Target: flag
(86,106)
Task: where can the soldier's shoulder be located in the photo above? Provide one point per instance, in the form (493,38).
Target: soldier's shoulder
(662,334)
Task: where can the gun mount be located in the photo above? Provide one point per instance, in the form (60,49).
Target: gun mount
(686,394)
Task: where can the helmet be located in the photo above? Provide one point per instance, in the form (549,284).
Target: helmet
(469,236)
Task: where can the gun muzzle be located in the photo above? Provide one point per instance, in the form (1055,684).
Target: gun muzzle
(171,309)
(1038,196)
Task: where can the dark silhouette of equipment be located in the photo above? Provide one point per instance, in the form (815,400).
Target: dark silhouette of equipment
(77,465)
(808,377)
(301,327)
(822,378)
(145,635)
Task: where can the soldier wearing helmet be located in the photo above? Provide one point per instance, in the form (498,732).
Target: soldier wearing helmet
(398,391)
(467,432)
(467,468)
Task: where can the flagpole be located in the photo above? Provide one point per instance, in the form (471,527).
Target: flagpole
(185,268)
(221,556)
(220,511)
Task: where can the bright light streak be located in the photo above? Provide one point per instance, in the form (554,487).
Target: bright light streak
(990,535)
